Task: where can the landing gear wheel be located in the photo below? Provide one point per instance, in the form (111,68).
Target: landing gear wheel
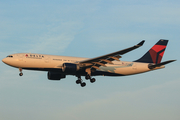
(92,80)
(78,81)
(20,70)
(20,74)
(87,77)
(83,84)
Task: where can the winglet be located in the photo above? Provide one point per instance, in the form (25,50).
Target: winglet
(141,43)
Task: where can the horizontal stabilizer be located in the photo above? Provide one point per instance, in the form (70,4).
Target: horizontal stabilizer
(152,66)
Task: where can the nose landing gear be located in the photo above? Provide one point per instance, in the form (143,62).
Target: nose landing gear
(20,74)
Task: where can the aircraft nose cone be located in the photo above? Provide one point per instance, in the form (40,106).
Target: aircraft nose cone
(8,61)
(3,60)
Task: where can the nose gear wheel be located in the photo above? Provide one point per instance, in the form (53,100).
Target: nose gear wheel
(20,74)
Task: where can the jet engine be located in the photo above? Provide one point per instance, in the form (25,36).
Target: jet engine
(70,68)
(55,75)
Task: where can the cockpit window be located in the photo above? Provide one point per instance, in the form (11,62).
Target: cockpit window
(10,56)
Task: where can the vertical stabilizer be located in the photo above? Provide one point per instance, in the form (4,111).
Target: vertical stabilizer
(155,54)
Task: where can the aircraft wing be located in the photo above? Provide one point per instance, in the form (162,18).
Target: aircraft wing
(102,60)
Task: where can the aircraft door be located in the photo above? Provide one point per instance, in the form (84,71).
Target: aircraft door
(134,67)
(47,59)
(20,57)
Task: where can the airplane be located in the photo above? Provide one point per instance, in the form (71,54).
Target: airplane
(58,67)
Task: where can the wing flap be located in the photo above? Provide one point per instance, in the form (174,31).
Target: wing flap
(115,58)
(99,63)
(96,67)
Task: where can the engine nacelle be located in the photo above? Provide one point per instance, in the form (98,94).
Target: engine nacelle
(70,68)
(55,75)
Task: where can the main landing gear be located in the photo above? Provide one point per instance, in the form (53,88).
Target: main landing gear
(92,80)
(79,81)
(20,74)
(83,84)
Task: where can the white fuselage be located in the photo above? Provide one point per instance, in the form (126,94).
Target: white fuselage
(46,62)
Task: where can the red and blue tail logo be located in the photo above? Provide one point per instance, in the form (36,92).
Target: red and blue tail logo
(155,54)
